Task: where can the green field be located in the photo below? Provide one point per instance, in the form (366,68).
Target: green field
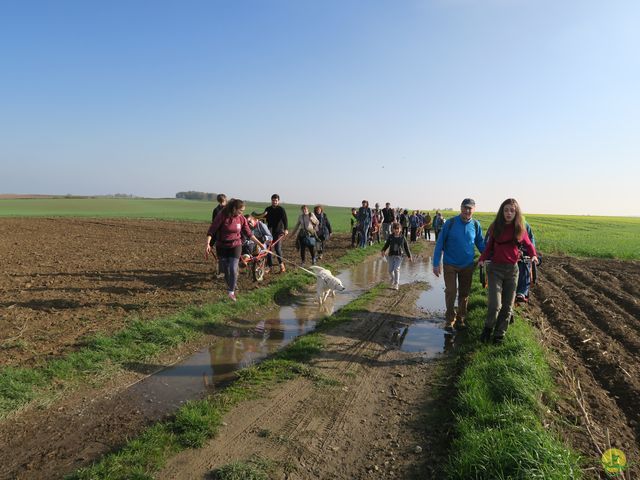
(164,209)
(607,237)
(583,236)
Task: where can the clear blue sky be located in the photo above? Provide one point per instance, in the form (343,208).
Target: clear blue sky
(420,103)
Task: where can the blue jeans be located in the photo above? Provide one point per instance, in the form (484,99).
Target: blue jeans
(386,231)
(277,249)
(524,279)
(365,235)
(394,268)
(229,266)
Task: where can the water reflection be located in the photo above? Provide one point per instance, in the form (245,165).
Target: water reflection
(262,336)
(424,336)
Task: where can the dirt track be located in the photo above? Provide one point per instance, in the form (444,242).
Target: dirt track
(366,426)
(64,279)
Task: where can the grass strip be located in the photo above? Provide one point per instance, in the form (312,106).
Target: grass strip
(255,468)
(140,341)
(198,421)
(500,407)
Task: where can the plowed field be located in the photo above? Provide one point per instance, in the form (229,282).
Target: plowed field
(589,314)
(65,279)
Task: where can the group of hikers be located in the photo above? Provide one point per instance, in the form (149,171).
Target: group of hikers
(503,250)
(370,225)
(236,236)
(505,253)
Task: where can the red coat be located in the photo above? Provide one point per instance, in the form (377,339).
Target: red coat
(505,249)
(229,230)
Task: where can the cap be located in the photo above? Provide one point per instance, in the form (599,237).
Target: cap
(468,202)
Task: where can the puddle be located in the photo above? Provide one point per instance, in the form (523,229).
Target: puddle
(199,374)
(425,336)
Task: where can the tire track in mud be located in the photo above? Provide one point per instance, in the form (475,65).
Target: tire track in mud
(318,433)
(325,429)
(292,413)
(347,365)
(580,311)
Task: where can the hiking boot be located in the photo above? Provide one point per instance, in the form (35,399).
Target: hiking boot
(396,286)
(232,297)
(485,336)
(498,340)
(520,298)
(460,325)
(512,319)
(449,327)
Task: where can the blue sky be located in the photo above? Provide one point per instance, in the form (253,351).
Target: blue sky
(420,103)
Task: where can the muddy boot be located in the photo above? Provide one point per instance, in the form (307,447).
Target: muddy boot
(485,336)
(460,325)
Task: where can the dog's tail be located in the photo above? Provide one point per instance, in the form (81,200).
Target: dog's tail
(316,268)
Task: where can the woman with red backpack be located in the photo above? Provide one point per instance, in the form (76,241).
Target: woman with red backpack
(501,254)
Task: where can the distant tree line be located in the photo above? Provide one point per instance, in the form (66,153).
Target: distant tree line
(191,195)
(110,195)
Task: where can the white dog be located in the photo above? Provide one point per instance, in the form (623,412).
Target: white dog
(326,282)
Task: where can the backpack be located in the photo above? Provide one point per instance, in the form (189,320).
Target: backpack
(446,234)
(322,229)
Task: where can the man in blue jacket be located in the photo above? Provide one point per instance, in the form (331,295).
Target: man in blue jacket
(457,240)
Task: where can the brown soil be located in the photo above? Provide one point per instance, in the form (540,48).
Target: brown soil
(589,316)
(65,279)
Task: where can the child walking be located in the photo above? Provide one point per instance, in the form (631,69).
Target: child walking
(501,254)
(396,243)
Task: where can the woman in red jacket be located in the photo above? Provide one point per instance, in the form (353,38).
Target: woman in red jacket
(228,228)
(501,254)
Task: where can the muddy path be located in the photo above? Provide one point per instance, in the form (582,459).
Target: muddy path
(367,425)
(589,315)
